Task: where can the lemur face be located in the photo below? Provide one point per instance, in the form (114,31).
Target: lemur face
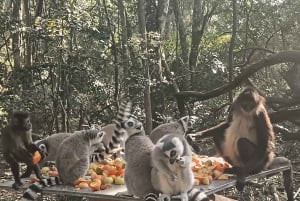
(98,138)
(43,149)
(133,126)
(171,147)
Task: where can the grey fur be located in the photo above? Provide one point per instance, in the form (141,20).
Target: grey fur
(49,146)
(74,154)
(110,131)
(138,148)
(172,173)
(180,127)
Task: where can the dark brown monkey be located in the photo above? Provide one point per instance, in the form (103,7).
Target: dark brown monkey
(246,139)
(18,146)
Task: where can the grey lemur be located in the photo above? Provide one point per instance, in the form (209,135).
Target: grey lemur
(114,136)
(138,148)
(72,161)
(180,127)
(172,169)
(74,154)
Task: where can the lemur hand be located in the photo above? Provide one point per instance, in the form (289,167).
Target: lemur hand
(181,161)
(164,197)
(174,177)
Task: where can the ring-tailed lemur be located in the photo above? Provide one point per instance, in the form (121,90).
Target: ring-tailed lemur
(72,161)
(172,173)
(114,136)
(181,127)
(138,148)
(74,152)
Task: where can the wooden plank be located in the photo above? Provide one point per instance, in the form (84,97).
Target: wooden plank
(218,185)
(109,194)
(72,191)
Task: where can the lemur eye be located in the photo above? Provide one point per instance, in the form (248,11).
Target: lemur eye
(130,124)
(172,153)
(100,134)
(42,146)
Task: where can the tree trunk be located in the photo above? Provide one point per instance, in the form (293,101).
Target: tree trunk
(114,50)
(200,19)
(150,15)
(147,91)
(124,37)
(27,19)
(231,47)
(181,31)
(196,37)
(163,7)
(39,8)
(16,37)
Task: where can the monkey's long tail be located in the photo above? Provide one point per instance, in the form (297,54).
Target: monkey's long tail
(31,193)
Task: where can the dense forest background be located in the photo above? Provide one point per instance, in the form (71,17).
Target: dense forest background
(70,62)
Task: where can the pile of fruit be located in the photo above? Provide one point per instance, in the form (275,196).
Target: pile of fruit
(101,175)
(208,168)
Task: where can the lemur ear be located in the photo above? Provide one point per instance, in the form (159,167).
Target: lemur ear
(160,144)
(186,118)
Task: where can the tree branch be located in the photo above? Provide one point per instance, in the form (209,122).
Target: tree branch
(284,115)
(280,57)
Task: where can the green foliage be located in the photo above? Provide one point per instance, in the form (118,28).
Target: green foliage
(77,50)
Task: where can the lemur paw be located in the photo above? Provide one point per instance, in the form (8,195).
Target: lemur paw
(17,185)
(181,161)
(164,197)
(181,197)
(174,177)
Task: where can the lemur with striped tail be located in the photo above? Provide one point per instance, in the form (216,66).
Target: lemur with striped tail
(172,174)
(74,152)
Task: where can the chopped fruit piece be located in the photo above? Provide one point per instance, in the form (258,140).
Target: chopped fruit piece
(36,157)
(95,185)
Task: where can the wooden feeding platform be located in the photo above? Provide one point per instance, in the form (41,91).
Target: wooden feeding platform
(110,193)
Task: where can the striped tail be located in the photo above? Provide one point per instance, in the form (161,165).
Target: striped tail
(96,156)
(196,195)
(31,193)
(151,197)
(124,113)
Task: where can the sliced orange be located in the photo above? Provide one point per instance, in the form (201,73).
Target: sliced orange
(36,157)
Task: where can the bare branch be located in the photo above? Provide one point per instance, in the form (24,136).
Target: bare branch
(280,57)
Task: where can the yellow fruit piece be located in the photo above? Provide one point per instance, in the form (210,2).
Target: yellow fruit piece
(108,180)
(45,170)
(119,180)
(83,185)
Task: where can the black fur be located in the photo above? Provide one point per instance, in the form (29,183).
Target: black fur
(18,146)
